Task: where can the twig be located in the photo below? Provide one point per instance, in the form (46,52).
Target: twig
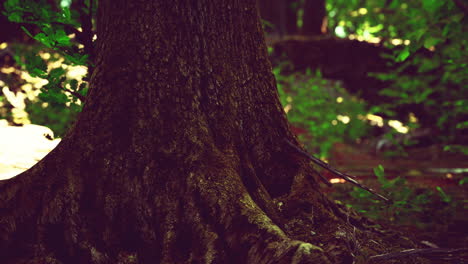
(345,176)
(325,180)
(447,254)
(77,95)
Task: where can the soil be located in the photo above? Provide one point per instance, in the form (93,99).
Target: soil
(424,169)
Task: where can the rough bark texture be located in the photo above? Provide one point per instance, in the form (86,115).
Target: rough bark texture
(177,155)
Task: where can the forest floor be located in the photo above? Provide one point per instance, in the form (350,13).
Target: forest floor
(430,201)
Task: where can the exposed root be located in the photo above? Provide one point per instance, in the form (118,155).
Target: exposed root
(208,217)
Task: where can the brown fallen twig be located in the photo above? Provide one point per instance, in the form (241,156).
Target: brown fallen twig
(447,254)
(345,176)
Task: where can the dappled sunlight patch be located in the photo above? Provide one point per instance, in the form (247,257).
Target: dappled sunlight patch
(76,72)
(343,118)
(337,180)
(23,146)
(398,126)
(375,120)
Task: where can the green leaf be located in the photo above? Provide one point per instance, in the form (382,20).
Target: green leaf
(27,31)
(46,14)
(77,59)
(400,203)
(431,42)
(52,95)
(36,66)
(390,93)
(11,3)
(403,55)
(15,17)
(379,171)
(432,5)
(418,33)
(47,29)
(62,38)
(57,73)
(463,181)
(44,39)
(73,85)
(428,64)
(445,198)
(421,97)
(457,18)
(66,14)
(446,30)
(462,125)
(37,73)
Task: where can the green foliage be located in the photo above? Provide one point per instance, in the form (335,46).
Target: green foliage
(408,206)
(57,117)
(457,149)
(443,196)
(52,25)
(463,181)
(56,29)
(321,107)
(50,22)
(430,59)
(57,102)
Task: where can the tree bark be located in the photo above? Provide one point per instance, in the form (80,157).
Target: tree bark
(178,155)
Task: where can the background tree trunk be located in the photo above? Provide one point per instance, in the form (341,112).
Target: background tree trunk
(177,155)
(280,15)
(314,17)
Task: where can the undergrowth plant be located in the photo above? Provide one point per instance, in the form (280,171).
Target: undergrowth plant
(423,208)
(430,69)
(321,107)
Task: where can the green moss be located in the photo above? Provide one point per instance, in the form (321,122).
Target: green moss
(257,217)
(307,248)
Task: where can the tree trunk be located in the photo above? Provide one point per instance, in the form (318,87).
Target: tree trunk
(177,155)
(280,15)
(314,17)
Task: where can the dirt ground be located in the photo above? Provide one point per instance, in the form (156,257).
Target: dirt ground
(424,169)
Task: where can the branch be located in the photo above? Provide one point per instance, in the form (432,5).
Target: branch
(449,254)
(345,176)
(77,95)
(325,180)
